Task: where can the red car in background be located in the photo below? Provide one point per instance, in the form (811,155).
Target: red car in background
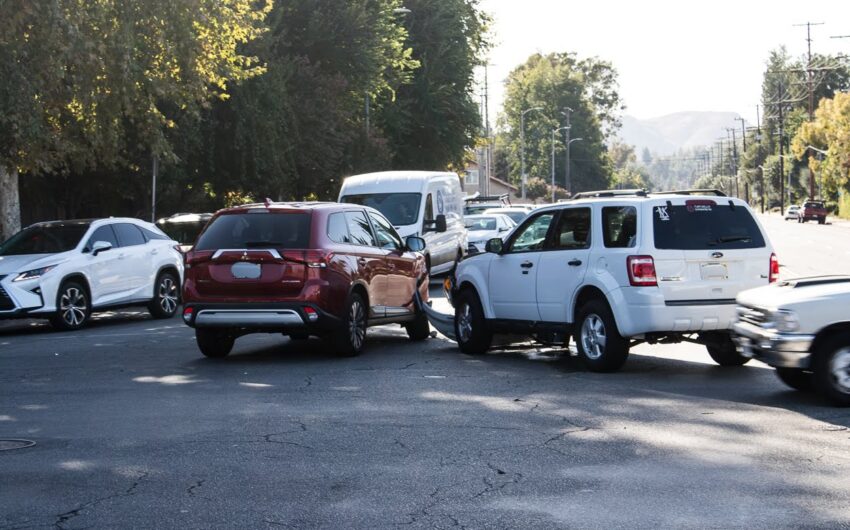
(812,211)
(302,269)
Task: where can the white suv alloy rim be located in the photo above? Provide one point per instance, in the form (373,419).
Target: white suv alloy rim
(72,305)
(168,295)
(839,367)
(593,336)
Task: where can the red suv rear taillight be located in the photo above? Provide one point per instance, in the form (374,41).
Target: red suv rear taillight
(641,271)
(774,268)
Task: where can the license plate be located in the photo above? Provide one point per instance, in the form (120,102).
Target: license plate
(246,271)
(713,271)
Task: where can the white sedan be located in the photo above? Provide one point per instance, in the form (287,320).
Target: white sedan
(65,270)
(483,228)
(793,212)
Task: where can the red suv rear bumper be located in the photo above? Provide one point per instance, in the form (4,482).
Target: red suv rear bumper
(280,317)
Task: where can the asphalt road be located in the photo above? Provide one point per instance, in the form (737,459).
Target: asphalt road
(134,428)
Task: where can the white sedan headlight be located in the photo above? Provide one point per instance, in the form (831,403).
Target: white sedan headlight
(784,320)
(34,274)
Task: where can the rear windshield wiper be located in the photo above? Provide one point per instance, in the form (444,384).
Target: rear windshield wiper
(263,244)
(731,239)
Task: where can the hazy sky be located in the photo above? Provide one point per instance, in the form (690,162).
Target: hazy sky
(671,55)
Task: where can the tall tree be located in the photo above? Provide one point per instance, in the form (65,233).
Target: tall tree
(96,83)
(432,120)
(293,132)
(829,132)
(555,83)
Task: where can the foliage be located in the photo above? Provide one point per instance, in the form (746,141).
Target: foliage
(537,188)
(830,131)
(556,82)
(87,83)
(432,120)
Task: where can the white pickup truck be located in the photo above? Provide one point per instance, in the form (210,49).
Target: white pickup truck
(802,328)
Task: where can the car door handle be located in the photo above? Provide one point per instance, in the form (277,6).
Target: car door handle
(574,263)
(526,265)
(362,261)
(154,251)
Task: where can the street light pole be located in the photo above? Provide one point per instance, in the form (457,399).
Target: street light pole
(567,185)
(569,143)
(522,146)
(554,133)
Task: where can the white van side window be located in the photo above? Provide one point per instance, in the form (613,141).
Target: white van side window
(429,208)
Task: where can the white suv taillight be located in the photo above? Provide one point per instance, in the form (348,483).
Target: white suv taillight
(774,268)
(641,271)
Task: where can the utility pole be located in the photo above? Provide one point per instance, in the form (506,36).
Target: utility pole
(554,134)
(811,90)
(782,152)
(567,184)
(733,162)
(154,171)
(488,152)
(743,132)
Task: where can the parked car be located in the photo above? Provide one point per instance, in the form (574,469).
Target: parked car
(516,213)
(65,270)
(793,212)
(477,203)
(813,211)
(802,328)
(184,227)
(614,269)
(301,269)
(483,228)
(417,203)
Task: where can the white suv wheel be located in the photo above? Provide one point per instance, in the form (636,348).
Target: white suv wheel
(593,336)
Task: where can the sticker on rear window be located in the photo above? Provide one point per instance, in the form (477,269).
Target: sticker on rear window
(662,213)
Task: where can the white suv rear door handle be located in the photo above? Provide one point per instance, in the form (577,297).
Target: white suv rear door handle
(574,263)
(526,265)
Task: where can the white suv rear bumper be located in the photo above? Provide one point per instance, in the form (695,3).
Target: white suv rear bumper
(642,310)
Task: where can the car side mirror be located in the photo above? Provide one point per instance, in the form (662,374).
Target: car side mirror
(100,246)
(414,244)
(442,226)
(436,225)
(504,229)
(494,245)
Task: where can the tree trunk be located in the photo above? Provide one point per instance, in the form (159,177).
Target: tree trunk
(10,203)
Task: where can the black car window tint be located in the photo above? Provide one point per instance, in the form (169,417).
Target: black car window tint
(359,228)
(103,233)
(619,226)
(573,229)
(532,235)
(387,236)
(128,235)
(338,228)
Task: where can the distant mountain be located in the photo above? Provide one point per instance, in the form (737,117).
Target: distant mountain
(667,134)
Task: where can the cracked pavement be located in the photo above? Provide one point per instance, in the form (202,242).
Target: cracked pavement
(133,428)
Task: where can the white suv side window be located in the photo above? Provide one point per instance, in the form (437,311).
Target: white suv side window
(532,235)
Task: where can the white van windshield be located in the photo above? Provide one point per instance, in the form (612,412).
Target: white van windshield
(399,208)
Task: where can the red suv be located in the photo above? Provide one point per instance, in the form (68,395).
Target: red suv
(302,269)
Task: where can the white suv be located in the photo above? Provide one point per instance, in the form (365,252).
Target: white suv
(614,269)
(64,270)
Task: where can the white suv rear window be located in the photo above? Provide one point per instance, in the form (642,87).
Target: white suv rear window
(705,225)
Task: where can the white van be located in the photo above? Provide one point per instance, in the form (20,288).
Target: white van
(418,203)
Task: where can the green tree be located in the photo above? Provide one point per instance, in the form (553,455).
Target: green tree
(557,82)
(830,132)
(293,132)
(431,121)
(99,83)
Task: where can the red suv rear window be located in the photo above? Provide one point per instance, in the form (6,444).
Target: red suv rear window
(256,229)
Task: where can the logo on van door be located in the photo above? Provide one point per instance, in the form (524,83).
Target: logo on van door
(441,205)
